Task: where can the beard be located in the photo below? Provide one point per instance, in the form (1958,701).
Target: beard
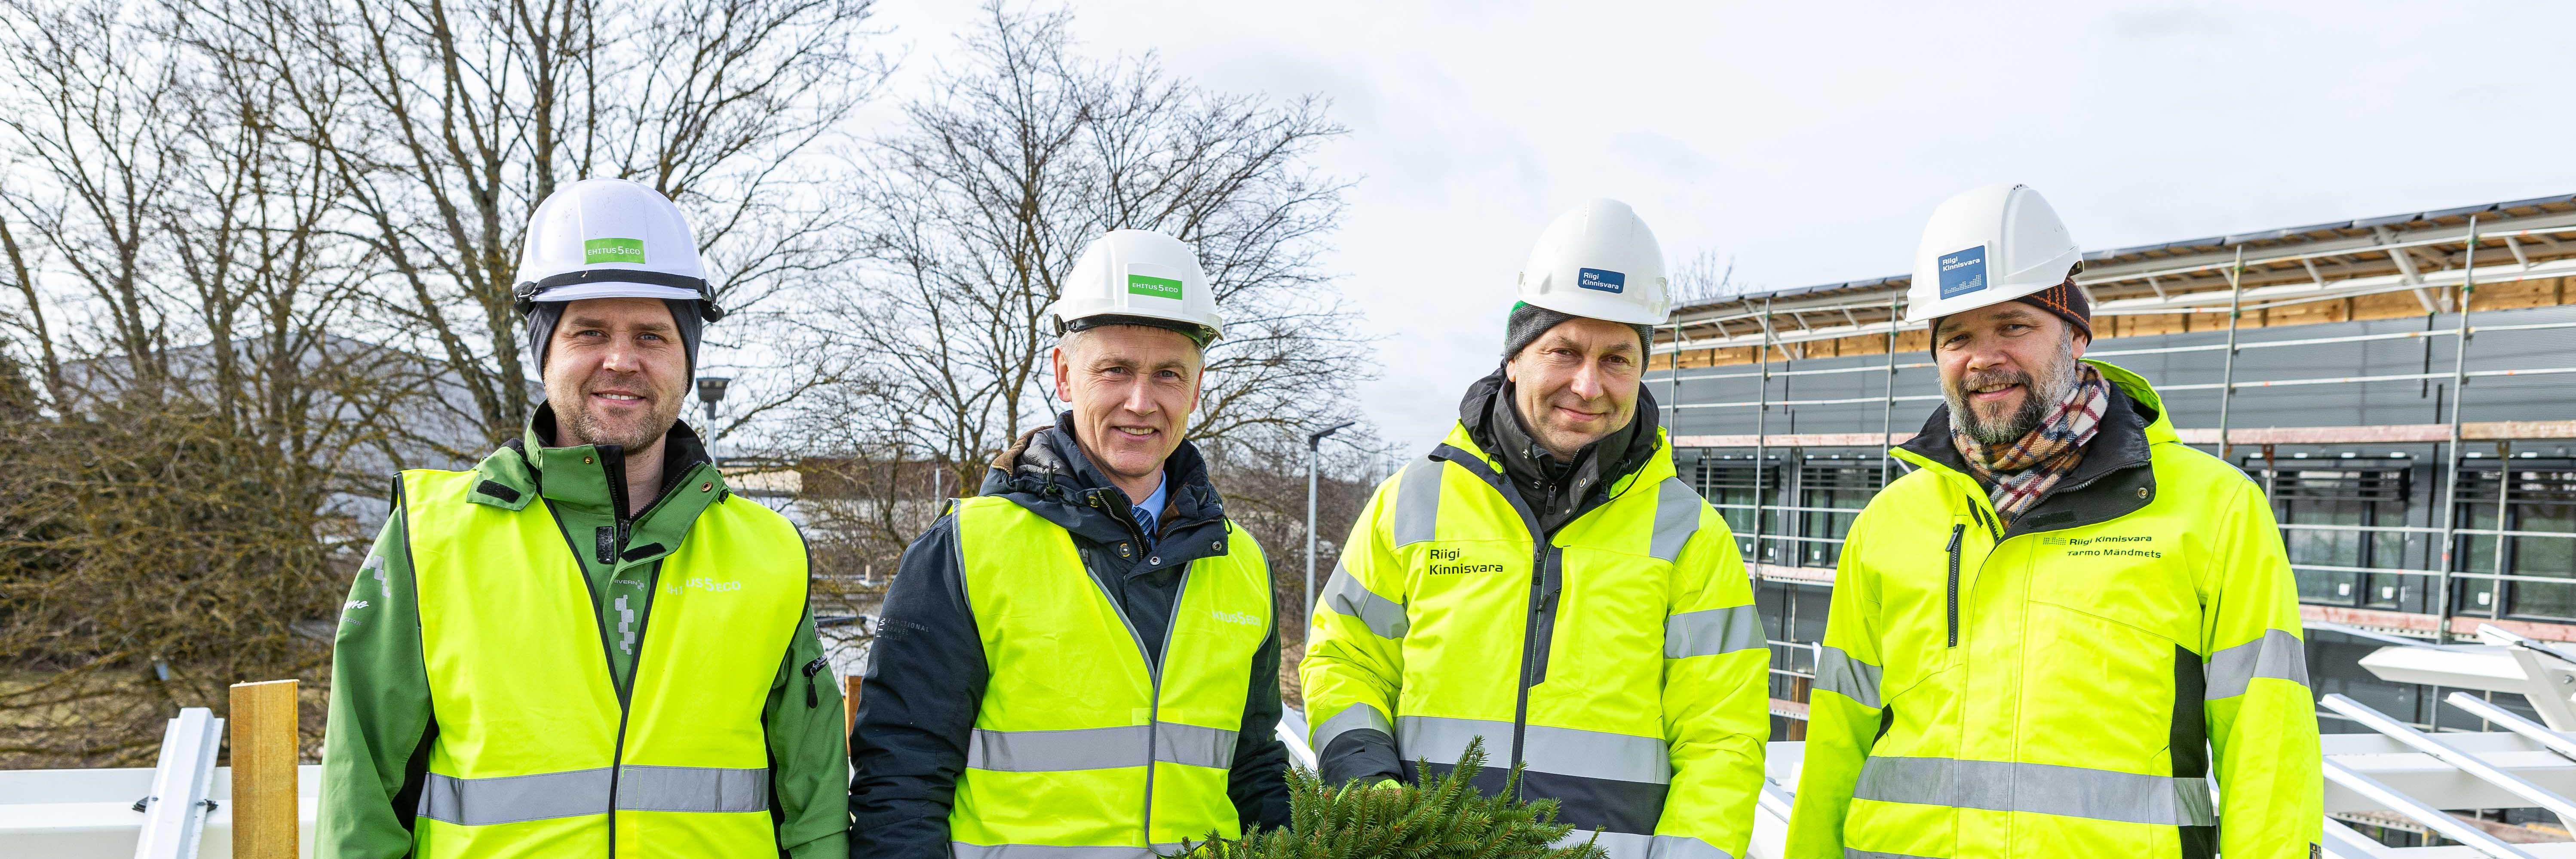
(633,434)
(2037,398)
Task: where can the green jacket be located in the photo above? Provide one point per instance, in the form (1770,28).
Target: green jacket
(376,747)
(2072,684)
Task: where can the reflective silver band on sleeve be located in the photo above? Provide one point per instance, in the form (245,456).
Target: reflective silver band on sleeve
(1352,718)
(1839,673)
(1417,503)
(1677,509)
(1711,632)
(1345,595)
(2276,655)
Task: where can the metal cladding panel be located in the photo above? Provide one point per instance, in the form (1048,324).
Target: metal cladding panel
(2515,398)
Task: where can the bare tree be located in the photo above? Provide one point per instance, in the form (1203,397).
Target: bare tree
(1012,160)
(1704,279)
(184,488)
(1018,158)
(456,118)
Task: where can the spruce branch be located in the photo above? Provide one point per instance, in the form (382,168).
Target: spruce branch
(1442,818)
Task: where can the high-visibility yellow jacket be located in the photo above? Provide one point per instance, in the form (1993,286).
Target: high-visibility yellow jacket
(1622,660)
(540,751)
(2074,684)
(1081,748)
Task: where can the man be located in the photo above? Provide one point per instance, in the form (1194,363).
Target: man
(587,646)
(1082,661)
(2051,636)
(1546,582)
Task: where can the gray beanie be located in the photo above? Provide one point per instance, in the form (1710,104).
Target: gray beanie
(544,315)
(1528,321)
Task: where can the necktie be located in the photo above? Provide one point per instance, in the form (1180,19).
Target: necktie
(1145,522)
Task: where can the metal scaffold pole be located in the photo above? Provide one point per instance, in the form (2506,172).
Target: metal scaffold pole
(1676,379)
(2504,490)
(2227,376)
(2451,451)
(1887,407)
(1761,427)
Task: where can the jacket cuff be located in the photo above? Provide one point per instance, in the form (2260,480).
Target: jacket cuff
(1366,754)
(833,846)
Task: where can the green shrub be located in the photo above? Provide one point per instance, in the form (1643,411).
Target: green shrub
(1442,819)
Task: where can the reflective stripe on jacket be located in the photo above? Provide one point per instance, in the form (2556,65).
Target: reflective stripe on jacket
(1622,660)
(1081,748)
(2073,685)
(539,750)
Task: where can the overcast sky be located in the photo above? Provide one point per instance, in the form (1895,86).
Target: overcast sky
(1809,141)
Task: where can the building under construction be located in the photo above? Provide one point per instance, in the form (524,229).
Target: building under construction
(2403,386)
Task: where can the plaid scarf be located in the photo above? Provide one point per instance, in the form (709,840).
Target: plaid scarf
(2017,477)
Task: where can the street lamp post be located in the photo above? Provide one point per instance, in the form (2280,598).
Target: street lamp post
(711,389)
(1314,446)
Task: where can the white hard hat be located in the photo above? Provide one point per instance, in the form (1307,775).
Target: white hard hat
(1136,277)
(611,238)
(1598,261)
(1988,246)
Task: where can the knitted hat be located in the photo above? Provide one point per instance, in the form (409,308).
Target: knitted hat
(2067,303)
(1528,321)
(543,316)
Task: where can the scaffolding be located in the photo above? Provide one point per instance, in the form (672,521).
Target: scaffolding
(2429,264)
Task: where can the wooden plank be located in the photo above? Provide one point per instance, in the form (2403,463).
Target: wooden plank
(849,704)
(2422,625)
(1802,575)
(265,745)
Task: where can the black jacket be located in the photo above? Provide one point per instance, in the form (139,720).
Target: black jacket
(926,675)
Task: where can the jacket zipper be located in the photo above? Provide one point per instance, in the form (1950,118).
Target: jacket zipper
(614,469)
(1958,534)
(1153,667)
(1154,708)
(1534,640)
(1545,561)
(625,688)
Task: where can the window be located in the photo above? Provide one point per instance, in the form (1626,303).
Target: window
(1826,483)
(2348,494)
(2539,498)
(1727,483)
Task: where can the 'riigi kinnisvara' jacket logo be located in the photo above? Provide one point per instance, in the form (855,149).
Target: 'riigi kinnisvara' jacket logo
(1457,567)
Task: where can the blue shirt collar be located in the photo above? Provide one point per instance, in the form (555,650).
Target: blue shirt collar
(1153,504)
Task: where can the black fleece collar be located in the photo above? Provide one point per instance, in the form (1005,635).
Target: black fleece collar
(1558,491)
(1048,474)
(2085,496)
